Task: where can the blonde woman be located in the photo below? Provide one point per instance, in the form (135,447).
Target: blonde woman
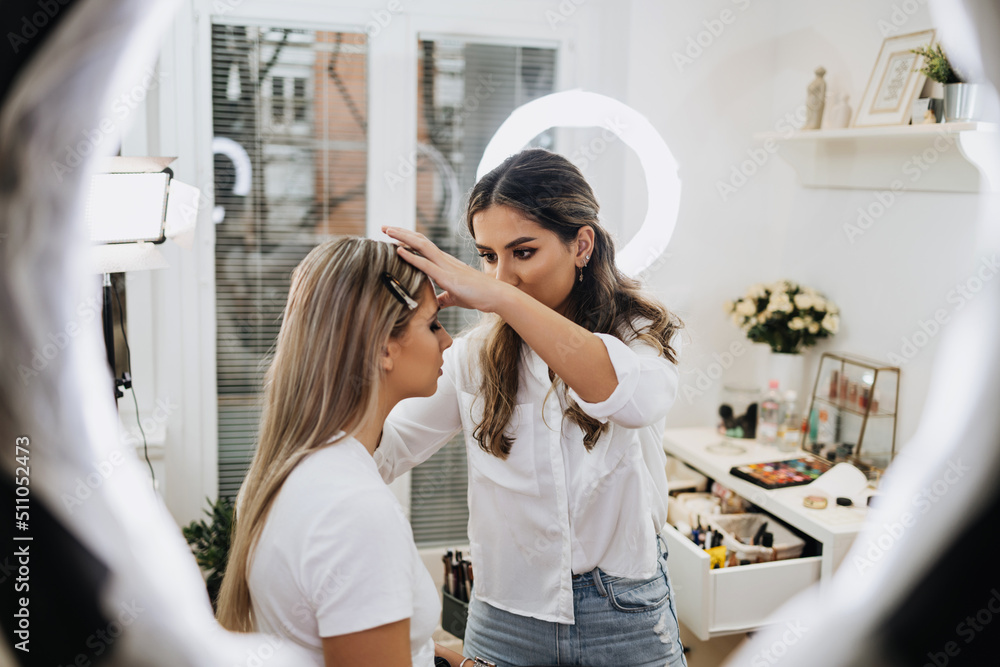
(561,394)
(322,554)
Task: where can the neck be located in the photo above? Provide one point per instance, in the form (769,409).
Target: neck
(370,433)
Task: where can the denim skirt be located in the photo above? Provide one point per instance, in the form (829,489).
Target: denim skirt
(618,622)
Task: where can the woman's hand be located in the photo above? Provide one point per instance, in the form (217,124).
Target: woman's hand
(454,659)
(463,285)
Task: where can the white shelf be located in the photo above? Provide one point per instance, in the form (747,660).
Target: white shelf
(940,157)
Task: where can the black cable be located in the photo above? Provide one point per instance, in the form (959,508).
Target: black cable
(131,387)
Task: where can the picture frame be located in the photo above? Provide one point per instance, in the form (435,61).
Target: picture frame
(894,82)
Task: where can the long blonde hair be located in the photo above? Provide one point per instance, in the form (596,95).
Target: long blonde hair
(324,379)
(547,188)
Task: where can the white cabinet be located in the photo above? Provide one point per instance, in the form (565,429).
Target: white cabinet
(724,601)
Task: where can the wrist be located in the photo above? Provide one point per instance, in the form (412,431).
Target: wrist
(505,299)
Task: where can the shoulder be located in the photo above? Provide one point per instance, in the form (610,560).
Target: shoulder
(335,486)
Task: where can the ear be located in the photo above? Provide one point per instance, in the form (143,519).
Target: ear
(584,245)
(390,351)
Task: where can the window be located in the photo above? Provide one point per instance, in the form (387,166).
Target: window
(465,91)
(290,126)
(290,122)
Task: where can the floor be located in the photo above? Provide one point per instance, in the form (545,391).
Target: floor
(701,654)
(711,653)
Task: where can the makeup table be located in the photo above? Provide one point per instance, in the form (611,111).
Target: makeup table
(732,600)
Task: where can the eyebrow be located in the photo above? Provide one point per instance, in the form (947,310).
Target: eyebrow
(515,242)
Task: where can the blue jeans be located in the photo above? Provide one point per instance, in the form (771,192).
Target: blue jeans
(618,622)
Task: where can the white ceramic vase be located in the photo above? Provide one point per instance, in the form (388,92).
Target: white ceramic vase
(788,370)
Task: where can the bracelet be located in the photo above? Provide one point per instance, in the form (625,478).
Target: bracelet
(465,660)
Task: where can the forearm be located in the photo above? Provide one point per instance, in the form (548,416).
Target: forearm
(576,355)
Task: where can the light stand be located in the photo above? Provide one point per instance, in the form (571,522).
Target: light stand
(109,342)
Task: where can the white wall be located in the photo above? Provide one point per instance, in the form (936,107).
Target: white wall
(753,73)
(746,79)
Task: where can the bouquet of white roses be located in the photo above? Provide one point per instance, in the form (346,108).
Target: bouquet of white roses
(784,315)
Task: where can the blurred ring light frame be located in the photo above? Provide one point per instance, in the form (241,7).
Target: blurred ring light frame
(134,204)
(577,108)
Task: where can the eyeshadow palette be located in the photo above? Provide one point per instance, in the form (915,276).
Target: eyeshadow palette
(779,474)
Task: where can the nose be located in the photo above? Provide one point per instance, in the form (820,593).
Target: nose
(444,339)
(505,273)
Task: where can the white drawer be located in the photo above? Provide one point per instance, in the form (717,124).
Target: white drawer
(730,600)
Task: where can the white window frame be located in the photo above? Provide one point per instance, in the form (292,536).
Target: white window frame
(172,321)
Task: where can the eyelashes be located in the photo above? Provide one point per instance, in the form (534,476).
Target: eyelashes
(520,253)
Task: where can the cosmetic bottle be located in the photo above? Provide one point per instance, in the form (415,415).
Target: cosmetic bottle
(770,409)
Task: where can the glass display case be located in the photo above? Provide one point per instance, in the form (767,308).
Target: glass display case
(852,412)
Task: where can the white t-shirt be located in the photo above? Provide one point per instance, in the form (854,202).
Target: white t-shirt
(337,556)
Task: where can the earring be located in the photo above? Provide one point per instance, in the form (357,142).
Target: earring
(579,278)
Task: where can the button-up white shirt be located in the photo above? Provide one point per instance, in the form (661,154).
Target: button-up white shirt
(551,509)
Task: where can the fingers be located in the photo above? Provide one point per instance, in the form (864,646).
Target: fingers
(409,237)
(445,300)
(417,260)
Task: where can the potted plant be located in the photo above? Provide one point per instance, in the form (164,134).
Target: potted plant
(961,99)
(787,317)
(210,543)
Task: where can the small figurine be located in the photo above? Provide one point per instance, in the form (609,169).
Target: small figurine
(815,101)
(929,117)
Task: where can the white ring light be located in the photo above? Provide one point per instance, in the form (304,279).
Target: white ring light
(576,108)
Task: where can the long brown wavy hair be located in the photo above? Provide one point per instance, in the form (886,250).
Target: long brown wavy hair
(325,378)
(548,189)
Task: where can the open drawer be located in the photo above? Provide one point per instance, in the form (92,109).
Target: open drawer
(731,600)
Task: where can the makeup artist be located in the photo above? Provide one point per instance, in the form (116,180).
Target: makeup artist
(561,391)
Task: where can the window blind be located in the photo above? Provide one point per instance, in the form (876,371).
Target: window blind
(289,113)
(465,90)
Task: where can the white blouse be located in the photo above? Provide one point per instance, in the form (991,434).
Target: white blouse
(551,509)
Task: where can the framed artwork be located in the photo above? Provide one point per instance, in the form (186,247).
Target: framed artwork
(894,82)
